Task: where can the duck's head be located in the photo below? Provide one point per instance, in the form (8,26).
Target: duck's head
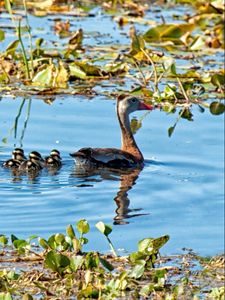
(130,104)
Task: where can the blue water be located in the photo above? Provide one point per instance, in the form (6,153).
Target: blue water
(179,192)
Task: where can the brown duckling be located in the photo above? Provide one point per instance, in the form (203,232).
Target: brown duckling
(34,163)
(17,158)
(53,160)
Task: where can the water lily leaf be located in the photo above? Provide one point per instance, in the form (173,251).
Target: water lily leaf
(11,49)
(137,42)
(197,44)
(171,32)
(218,80)
(90,70)
(75,42)
(217,108)
(103,228)
(62,76)
(76,71)
(44,77)
(2,35)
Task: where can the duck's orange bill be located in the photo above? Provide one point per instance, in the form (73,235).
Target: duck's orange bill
(143,106)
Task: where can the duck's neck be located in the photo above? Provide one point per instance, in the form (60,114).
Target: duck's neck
(127,139)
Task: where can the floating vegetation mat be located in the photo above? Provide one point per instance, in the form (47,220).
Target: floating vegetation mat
(58,268)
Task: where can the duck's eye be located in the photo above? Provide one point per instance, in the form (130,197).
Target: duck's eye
(133,100)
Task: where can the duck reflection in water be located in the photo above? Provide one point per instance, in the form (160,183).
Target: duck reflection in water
(127,178)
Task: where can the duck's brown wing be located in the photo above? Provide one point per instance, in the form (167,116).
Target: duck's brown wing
(104,156)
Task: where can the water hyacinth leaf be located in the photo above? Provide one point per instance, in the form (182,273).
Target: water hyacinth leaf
(152,245)
(76,72)
(138,270)
(2,35)
(13,238)
(103,228)
(76,262)
(43,243)
(5,296)
(106,264)
(59,238)
(3,240)
(44,77)
(217,108)
(56,262)
(70,231)
(83,226)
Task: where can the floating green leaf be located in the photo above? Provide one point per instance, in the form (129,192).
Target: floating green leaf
(217,108)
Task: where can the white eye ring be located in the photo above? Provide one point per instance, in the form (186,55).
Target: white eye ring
(133,100)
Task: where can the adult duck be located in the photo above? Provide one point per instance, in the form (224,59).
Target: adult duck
(129,155)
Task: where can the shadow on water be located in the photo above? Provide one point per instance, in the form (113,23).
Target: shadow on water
(127,179)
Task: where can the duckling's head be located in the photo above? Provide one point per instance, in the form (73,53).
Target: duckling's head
(35,156)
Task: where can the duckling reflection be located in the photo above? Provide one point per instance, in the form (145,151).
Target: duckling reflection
(127,180)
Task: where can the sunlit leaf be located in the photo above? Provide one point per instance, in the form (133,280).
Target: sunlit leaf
(197,44)
(10,50)
(83,226)
(104,228)
(2,35)
(167,32)
(70,231)
(76,71)
(44,77)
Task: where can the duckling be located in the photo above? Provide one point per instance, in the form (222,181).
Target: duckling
(34,163)
(17,158)
(18,154)
(54,159)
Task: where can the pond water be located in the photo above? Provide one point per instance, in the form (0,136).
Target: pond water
(179,192)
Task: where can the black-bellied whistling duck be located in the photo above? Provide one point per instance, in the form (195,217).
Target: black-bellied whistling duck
(53,160)
(129,155)
(34,163)
(17,158)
